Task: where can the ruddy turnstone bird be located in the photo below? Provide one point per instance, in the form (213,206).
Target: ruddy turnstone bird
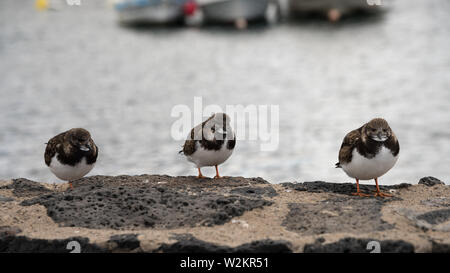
(71,154)
(369,152)
(210,143)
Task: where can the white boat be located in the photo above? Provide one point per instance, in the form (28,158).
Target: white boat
(334,9)
(150,11)
(233,10)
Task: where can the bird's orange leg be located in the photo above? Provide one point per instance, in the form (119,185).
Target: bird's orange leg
(200,175)
(358,192)
(70,185)
(217,173)
(379,193)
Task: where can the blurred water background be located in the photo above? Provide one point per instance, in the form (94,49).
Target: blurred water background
(76,67)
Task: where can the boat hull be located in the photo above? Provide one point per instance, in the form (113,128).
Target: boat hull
(154,12)
(231,10)
(322,6)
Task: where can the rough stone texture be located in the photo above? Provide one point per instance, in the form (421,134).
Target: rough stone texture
(437,202)
(22,244)
(341,188)
(6,231)
(440,248)
(125,241)
(6,199)
(186,243)
(353,245)
(183,182)
(436,216)
(430,181)
(413,215)
(95,203)
(340,214)
(159,213)
(26,188)
(255,191)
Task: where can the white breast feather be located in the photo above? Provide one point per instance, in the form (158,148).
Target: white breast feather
(202,157)
(365,169)
(70,173)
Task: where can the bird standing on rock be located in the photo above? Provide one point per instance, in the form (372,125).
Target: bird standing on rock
(369,152)
(71,155)
(210,143)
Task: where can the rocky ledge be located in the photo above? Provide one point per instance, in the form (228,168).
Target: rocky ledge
(159,213)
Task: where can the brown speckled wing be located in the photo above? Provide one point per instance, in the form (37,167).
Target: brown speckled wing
(189,145)
(393,145)
(350,142)
(92,156)
(52,147)
(196,135)
(231,143)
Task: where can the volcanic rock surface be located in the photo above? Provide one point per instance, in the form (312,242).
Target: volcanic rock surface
(160,213)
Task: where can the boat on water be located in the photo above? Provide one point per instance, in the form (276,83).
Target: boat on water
(233,11)
(334,10)
(151,11)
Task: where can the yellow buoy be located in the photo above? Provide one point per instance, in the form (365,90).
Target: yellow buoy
(41,4)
